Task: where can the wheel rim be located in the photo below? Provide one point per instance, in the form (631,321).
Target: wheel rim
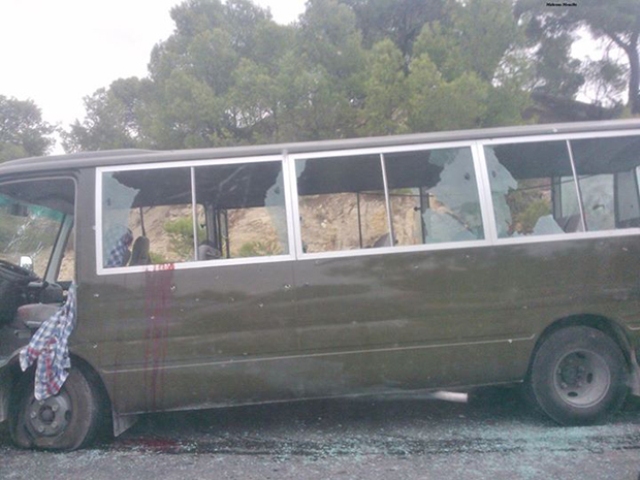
(50,417)
(582,378)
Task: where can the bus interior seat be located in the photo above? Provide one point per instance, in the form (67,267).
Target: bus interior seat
(33,315)
(630,223)
(383,241)
(206,251)
(140,252)
(570,224)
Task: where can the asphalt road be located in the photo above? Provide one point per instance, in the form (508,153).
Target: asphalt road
(493,437)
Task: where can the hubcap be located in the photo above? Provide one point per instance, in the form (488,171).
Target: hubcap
(49,417)
(582,378)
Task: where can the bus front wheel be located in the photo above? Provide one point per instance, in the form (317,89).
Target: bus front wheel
(578,376)
(66,421)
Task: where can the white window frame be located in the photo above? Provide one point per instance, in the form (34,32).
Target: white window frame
(191,164)
(564,237)
(387,249)
(295,250)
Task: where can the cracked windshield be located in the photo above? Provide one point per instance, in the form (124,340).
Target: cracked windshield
(33,215)
(27,231)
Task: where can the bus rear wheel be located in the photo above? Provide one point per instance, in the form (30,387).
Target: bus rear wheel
(66,421)
(578,376)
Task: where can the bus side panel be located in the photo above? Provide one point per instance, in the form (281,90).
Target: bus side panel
(458,317)
(221,335)
(378,323)
(159,335)
(417,320)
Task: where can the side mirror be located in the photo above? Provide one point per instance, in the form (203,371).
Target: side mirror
(26,263)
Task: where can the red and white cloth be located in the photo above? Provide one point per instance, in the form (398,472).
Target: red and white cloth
(49,347)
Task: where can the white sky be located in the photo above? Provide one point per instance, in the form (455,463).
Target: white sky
(55,52)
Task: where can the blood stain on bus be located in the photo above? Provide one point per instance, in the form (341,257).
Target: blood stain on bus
(158,299)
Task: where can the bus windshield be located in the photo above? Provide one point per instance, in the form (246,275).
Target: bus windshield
(28,230)
(32,216)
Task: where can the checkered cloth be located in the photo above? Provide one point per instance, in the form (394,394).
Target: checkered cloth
(119,239)
(49,347)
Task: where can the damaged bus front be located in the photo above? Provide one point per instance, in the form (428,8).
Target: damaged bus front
(36,272)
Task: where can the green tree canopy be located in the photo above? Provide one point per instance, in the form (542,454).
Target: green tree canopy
(23,133)
(112,118)
(385,91)
(475,52)
(554,29)
(230,75)
(400,21)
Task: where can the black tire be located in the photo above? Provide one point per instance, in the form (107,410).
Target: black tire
(67,421)
(578,376)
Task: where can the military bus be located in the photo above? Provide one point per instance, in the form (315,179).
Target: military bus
(150,281)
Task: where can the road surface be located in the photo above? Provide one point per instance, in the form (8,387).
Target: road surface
(492,437)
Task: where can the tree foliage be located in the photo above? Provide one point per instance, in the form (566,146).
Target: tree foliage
(385,91)
(230,75)
(400,21)
(23,133)
(553,30)
(112,118)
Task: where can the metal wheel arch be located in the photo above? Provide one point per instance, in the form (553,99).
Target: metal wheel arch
(11,374)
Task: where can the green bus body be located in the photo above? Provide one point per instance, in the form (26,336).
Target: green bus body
(302,324)
(363,325)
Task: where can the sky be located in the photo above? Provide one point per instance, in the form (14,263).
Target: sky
(56,52)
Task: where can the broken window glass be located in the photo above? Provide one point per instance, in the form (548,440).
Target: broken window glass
(342,204)
(607,170)
(434,196)
(31,217)
(532,188)
(244,205)
(147,217)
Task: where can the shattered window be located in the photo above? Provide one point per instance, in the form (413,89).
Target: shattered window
(244,205)
(434,196)
(533,189)
(147,217)
(32,215)
(342,204)
(607,170)
(31,234)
